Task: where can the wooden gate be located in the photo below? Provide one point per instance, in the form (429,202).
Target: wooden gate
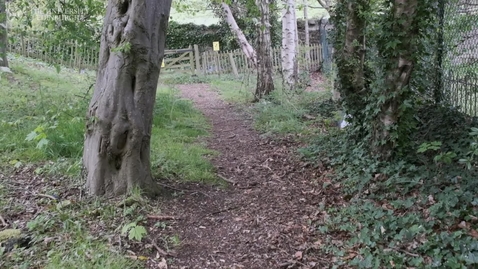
(180,60)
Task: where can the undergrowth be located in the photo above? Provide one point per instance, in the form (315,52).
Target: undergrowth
(42,120)
(42,115)
(418,210)
(188,78)
(239,91)
(292,113)
(71,232)
(281,112)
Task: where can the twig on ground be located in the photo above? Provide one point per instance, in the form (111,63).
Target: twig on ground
(287,264)
(406,252)
(162,217)
(172,188)
(161,251)
(47,196)
(4,223)
(227,180)
(265,166)
(216,212)
(223,210)
(182,190)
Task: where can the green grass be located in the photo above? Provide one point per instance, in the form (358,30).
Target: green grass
(37,97)
(176,129)
(233,90)
(170,78)
(48,108)
(279,113)
(76,235)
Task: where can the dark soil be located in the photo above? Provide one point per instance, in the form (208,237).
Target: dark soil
(264,218)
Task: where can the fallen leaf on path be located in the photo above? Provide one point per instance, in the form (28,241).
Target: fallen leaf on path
(163,264)
(350,256)
(474,233)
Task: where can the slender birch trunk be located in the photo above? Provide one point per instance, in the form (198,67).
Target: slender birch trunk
(240,37)
(289,46)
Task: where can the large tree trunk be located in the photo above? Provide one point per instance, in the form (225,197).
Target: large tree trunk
(289,46)
(265,84)
(398,70)
(240,37)
(3,34)
(116,155)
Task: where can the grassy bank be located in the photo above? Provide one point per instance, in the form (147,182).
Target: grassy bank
(42,119)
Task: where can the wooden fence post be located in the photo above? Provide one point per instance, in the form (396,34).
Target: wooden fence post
(191,59)
(198,62)
(233,65)
(204,62)
(77,56)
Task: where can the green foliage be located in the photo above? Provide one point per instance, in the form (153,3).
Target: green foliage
(65,237)
(134,231)
(292,113)
(41,116)
(232,90)
(282,112)
(122,48)
(383,113)
(182,35)
(469,158)
(435,145)
(74,22)
(418,210)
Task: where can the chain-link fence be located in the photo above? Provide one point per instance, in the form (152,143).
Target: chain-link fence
(447,72)
(456,55)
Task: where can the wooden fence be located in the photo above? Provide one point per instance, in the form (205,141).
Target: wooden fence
(69,54)
(236,62)
(191,60)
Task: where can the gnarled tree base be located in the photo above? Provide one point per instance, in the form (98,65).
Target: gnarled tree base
(116,155)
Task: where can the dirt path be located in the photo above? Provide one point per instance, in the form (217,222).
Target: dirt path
(262,220)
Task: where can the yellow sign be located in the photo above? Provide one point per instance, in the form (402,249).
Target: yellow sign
(215,45)
(162,64)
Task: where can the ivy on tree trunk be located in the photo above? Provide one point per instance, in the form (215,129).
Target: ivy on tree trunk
(116,155)
(399,44)
(350,54)
(3,34)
